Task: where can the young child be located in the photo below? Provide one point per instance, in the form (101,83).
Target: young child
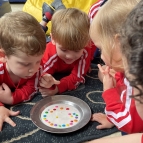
(120,108)
(22,44)
(68,52)
(131,39)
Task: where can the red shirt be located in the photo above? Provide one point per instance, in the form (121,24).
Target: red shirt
(78,69)
(25,89)
(94,9)
(120,108)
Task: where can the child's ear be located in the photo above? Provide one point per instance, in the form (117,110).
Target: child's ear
(117,52)
(52,40)
(2,56)
(117,39)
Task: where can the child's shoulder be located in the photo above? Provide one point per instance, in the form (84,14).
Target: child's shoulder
(50,48)
(50,51)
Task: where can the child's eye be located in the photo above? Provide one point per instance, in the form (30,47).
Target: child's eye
(77,51)
(26,65)
(23,64)
(63,50)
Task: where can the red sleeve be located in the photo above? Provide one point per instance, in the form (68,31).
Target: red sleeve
(118,103)
(94,9)
(120,108)
(26,90)
(49,59)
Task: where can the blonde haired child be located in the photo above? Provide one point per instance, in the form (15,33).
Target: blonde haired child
(68,51)
(22,44)
(105,28)
(131,39)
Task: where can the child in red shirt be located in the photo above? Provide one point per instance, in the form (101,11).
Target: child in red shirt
(22,44)
(131,46)
(104,32)
(68,52)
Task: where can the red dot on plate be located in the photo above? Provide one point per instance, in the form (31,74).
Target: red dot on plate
(67,108)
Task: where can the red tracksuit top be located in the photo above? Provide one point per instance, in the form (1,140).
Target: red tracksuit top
(120,108)
(25,89)
(78,69)
(94,9)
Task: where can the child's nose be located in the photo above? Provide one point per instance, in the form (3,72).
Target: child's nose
(33,69)
(69,56)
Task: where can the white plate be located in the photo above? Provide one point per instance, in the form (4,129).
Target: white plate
(60,114)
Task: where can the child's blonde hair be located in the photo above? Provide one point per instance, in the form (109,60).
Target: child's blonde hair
(21,31)
(70,28)
(108,22)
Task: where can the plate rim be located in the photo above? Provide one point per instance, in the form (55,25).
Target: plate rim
(37,107)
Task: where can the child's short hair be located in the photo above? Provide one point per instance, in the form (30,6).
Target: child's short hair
(70,28)
(21,31)
(132,45)
(108,22)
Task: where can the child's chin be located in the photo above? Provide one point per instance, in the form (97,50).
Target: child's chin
(26,77)
(69,62)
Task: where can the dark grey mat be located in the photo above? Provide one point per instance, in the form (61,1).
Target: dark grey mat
(27,132)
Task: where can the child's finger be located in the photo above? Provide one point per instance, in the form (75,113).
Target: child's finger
(107,69)
(56,81)
(42,85)
(5,86)
(100,127)
(14,113)
(1,123)
(100,68)
(9,121)
(43,81)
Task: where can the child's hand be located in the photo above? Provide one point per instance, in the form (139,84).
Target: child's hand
(5,94)
(107,78)
(4,116)
(102,119)
(47,80)
(48,92)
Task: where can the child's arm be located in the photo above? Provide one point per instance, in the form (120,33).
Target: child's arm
(26,90)
(23,92)
(132,138)
(117,107)
(120,108)
(5,94)
(4,116)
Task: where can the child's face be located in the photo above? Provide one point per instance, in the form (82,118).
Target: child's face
(22,65)
(111,58)
(98,44)
(68,56)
